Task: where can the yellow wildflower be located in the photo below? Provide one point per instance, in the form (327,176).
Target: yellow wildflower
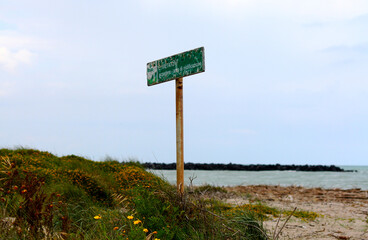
(97,217)
(116,228)
(137,222)
(130,217)
(145,230)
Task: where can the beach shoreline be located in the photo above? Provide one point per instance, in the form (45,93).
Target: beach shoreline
(327,180)
(343,213)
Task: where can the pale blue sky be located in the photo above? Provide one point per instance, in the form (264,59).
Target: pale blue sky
(285,82)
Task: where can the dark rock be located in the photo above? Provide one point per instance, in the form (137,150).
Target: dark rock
(251,167)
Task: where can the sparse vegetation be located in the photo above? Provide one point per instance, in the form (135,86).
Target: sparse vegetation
(209,189)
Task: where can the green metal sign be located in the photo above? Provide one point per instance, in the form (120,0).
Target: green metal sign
(176,66)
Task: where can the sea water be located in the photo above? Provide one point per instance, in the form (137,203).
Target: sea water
(343,180)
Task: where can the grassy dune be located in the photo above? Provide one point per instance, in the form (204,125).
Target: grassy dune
(43,196)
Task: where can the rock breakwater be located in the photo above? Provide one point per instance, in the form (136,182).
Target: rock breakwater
(241,167)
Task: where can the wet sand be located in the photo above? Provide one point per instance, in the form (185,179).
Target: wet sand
(343,213)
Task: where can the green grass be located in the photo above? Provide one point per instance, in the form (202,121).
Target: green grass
(43,196)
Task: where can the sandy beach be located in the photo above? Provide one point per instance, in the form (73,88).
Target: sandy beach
(343,214)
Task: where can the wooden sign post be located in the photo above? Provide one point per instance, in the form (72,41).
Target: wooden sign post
(170,68)
(179,135)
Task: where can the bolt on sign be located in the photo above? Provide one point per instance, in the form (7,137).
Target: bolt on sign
(176,66)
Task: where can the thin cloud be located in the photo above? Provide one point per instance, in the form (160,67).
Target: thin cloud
(324,10)
(10,60)
(13,40)
(312,10)
(17,50)
(358,48)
